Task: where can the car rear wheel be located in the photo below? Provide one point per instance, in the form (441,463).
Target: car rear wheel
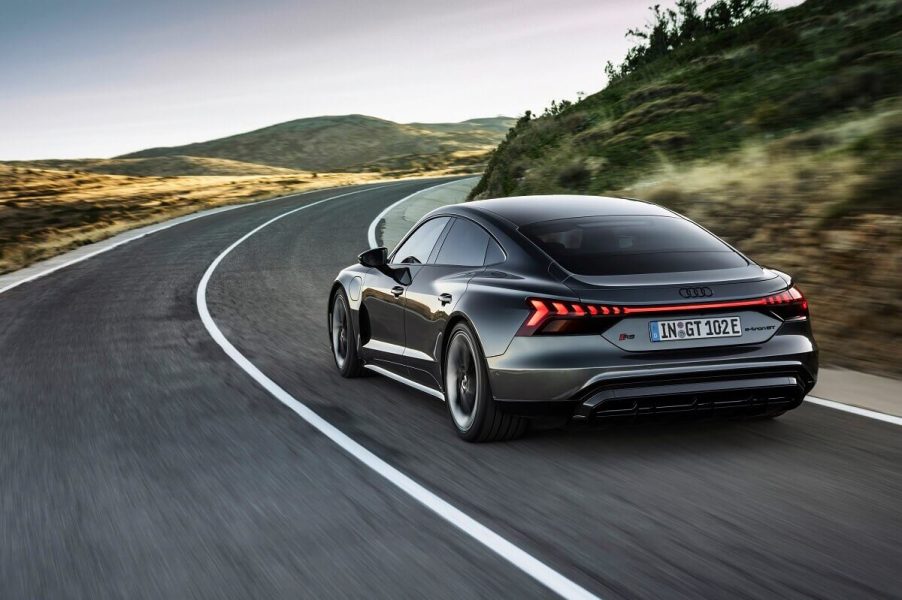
(343,337)
(475,414)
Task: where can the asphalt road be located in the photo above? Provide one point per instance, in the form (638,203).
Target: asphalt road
(137,459)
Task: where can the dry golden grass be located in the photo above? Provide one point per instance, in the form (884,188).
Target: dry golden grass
(160,166)
(776,205)
(44,212)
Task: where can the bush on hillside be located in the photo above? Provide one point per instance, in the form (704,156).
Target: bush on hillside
(657,109)
(671,29)
(876,193)
(654,92)
(668,140)
(575,175)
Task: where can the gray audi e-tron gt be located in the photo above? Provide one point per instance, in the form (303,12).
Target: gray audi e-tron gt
(584,307)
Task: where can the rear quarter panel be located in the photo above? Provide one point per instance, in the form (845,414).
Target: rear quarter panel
(495,304)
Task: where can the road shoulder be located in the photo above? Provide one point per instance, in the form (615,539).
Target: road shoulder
(873,392)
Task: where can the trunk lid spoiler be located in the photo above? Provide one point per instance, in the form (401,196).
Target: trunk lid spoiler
(675,288)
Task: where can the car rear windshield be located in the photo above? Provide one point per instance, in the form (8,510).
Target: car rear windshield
(631,245)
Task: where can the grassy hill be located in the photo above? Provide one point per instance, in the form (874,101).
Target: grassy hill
(782,133)
(351,143)
(160,166)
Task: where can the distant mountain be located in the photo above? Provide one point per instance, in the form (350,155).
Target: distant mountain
(157,166)
(352,143)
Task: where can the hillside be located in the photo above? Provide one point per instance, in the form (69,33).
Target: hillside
(161,166)
(782,134)
(352,143)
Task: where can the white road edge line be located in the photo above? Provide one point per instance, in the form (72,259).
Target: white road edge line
(522,560)
(371,232)
(855,410)
(154,228)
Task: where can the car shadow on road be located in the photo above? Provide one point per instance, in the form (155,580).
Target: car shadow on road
(685,433)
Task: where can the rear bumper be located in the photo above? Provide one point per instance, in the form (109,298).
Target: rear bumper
(766,391)
(594,376)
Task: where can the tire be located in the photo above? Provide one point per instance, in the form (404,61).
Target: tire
(343,337)
(474,413)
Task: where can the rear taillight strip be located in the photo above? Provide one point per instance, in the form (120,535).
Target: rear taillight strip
(546,309)
(787,297)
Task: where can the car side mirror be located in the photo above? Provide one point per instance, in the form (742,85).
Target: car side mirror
(374,257)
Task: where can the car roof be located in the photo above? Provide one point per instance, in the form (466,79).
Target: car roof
(523,210)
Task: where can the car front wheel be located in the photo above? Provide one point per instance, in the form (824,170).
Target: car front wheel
(343,338)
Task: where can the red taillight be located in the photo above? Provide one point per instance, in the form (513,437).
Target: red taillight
(790,304)
(556,316)
(538,314)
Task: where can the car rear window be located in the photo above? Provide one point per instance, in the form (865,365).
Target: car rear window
(631,245)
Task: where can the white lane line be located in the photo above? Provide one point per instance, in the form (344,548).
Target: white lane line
(371,233)
(151,229)
(855,410)
(479,532)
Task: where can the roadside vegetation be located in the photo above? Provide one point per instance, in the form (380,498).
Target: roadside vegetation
(44,212)
(780,131)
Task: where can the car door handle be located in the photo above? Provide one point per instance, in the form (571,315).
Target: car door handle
(445,299)
(397,290)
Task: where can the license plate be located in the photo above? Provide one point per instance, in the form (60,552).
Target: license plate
(694,329)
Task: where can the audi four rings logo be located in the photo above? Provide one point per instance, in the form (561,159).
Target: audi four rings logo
(696,292)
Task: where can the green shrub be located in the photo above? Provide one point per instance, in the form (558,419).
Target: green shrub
(576,122)
(670,30)
(668,196)
(593,137)
(668,140)
(659,109)
(574,176)
(654,92)
(779,37)
(878,193)
(850,55)
(808,141)
(768,115)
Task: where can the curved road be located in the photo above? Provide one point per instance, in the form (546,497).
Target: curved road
(138,460)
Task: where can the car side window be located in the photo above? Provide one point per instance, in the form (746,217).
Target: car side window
(465,245)
(494,254)
(418,246)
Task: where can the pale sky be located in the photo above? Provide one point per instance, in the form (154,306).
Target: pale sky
(97,78)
